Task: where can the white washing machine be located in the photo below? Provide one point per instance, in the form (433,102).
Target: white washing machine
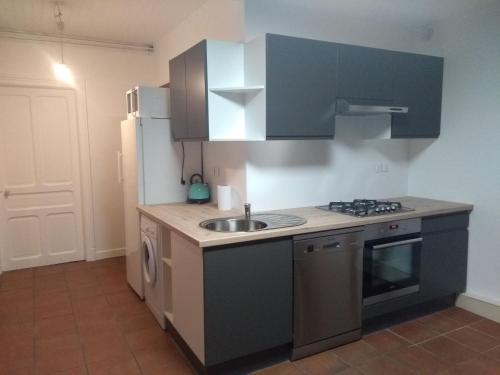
(152,269)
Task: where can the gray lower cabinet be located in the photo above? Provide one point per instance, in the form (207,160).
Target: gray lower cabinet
(248,299)
(188,94)
(444,255)
(418,84)
(300,88)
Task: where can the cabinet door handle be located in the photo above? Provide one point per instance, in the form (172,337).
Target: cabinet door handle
(397,243)
(331,245)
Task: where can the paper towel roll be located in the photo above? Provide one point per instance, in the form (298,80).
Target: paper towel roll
(224,197)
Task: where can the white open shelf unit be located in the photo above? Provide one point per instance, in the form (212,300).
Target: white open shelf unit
(167,261)
(236,90)
(166,257)
(169,316)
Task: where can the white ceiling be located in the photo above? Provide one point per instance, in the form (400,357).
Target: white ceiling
(132,21)
(144,21)
(409,13)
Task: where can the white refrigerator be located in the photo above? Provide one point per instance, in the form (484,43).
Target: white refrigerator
(151,173)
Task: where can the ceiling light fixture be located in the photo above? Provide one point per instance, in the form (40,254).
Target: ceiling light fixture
(61,70)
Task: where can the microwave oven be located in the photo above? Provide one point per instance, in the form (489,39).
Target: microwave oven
(148,102)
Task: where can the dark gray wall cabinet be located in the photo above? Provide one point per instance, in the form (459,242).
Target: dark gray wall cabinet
(178,109)
(303,80)
(248,299)
(300,88)
(418,84)
(366,74)
(376,76)
(188,94)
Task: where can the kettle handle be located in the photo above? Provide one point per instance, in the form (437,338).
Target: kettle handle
(195,175)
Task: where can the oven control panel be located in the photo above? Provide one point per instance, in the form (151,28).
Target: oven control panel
(392,229)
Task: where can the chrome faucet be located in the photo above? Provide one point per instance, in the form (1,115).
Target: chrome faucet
(247,211)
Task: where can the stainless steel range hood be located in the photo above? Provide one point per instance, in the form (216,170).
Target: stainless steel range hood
(347,107)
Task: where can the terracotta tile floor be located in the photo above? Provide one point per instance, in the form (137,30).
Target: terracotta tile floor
(80,319)
(83,319)
(451,342)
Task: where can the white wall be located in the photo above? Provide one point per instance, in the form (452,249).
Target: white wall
(216,19)
(300,173)
(284,174)
(219,20)
(107,75)
(463,164)
(324,20)
(226,164)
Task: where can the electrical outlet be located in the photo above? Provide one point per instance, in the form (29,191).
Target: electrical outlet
(381,168)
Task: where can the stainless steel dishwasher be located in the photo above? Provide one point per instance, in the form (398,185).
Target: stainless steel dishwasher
(327,290)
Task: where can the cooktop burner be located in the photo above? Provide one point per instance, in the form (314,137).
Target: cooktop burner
(365,207)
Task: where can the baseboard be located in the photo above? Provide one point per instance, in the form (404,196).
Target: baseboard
(480,305)
(109,253)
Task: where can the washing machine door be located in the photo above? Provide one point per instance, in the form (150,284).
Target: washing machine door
(149,261)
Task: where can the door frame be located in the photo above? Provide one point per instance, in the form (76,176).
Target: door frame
(80,92)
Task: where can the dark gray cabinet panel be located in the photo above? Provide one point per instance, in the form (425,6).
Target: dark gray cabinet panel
(417,84)
(178,120)
(188,94)
(444,255)
(248,299)
(300,88)
(445,222)
(196,87)
(365,73)
(444,263)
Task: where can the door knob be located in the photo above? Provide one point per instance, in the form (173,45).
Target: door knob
(6,193)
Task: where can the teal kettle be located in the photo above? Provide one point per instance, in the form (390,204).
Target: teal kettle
(199,192)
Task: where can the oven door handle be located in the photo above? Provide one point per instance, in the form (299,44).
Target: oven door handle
(396,243)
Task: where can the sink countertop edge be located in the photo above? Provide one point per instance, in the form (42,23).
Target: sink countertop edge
(185,219)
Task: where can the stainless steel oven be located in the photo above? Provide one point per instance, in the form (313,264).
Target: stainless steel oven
(391,260)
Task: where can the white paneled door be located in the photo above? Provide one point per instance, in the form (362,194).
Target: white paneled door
(40,192)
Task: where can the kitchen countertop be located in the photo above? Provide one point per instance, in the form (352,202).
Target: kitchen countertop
(185,219)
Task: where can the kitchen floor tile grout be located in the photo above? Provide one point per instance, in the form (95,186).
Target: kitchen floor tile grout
(80,338)
(469,347)
(440,334)
(398,335)
(484,333)
(130,348)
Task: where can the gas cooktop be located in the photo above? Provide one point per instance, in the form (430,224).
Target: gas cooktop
(365,207)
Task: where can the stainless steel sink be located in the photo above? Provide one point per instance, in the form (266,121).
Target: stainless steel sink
(255,223)
(233,225)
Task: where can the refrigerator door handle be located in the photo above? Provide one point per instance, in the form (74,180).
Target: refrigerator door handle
(119,162)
